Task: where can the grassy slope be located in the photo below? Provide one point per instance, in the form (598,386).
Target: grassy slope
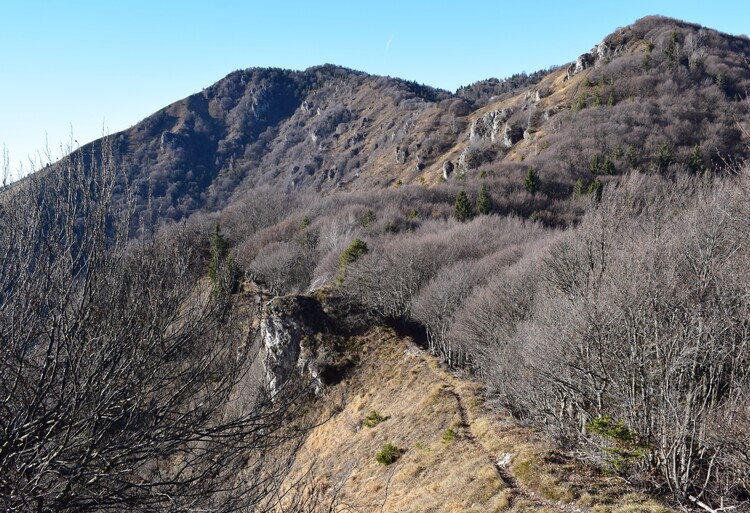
(486,462)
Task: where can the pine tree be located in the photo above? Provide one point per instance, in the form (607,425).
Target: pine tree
(632,157)
(673,58)
(220,259)
(595,189)
(595,164)
(531,182)
(578,189)
(462,210)
(351,254)
(484,201)
(665,157)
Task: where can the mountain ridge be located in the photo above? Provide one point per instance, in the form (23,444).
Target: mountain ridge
(576,243)
(329,127)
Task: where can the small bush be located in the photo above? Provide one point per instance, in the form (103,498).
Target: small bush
(388,454)
(351,254)
(368,218)
(625,447)
(449,435)
(374,418)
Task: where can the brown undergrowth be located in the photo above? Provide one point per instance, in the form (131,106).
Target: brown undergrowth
(455,453)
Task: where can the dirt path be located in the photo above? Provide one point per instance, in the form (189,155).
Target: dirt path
(500,462)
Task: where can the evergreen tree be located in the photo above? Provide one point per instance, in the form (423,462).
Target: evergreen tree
(632,157)
(351,254)
(531,182)
(484,201)
(696,160)
(665,157)
(595,189)
(220,261)
(462,210)
(595,164)
(578,189)
(673,58)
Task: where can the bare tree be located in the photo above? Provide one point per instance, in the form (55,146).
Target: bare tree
(124,378)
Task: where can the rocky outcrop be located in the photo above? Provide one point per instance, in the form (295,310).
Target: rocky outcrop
(401,154)
(598,55)
(583,62)
(512,134)
(542,93)
(489,126)
(303,343)
(447,169)
(288,326)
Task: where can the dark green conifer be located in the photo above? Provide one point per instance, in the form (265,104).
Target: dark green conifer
(484,201)
(462,210)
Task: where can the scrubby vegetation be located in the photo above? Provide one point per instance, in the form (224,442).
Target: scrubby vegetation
(126,376)
(629,323)
(585,258)
(388,454)
(374,418)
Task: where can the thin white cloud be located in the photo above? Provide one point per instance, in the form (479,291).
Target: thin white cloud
(388,43)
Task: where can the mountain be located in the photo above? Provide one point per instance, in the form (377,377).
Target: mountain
(659,95)
(527,295)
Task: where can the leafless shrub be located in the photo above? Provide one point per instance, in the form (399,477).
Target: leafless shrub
(121,369)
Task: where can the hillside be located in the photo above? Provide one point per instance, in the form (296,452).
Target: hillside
(535,288)
(659,95)
(455,453)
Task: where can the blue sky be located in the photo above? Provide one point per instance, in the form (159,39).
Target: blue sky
(82,68)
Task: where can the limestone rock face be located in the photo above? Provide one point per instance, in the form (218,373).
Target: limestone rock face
(287,326)
(598,55)
(489,126)
(584,61)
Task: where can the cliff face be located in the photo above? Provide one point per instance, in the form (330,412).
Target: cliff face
(303,343)
(288,325)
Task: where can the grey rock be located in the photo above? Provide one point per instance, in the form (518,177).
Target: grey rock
(512,134)
(287,326)
(600,54)
(401,155)
(489,126)
(447,169)
(542,92)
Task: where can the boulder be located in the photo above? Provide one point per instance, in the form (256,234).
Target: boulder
(447,169)
(512,134)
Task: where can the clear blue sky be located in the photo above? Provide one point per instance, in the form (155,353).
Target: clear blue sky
(84,67)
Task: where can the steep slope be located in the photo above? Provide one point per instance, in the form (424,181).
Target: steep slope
(660,95)
(454,454)
(316,129)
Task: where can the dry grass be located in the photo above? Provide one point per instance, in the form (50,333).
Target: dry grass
(435,472)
